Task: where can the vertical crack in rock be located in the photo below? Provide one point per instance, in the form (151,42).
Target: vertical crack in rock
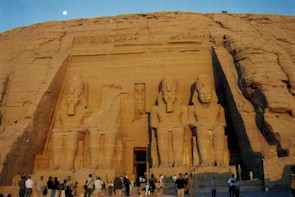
(60,39)
(3,93)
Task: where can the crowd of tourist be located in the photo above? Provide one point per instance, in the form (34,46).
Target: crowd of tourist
(121,186)
(52,188)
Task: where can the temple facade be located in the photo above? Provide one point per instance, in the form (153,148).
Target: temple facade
(159,93)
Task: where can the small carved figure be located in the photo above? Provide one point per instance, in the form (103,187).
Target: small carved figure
(209,119)
(139,100)
(74,92)
(169,117)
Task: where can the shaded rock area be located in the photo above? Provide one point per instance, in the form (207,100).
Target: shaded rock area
(250,58)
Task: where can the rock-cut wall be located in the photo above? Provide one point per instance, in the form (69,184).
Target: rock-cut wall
(250,57)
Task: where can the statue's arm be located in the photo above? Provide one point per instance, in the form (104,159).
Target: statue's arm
(184,115)
(154,118)
(192,119)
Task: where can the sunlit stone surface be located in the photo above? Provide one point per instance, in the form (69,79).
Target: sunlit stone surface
(87,96)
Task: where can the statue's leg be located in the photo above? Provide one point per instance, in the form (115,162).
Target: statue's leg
(71,149)
(163,136)
(56,141)
(110,144)
(178,143)
(101,150)
(218,133)
(203,139)
(94,148)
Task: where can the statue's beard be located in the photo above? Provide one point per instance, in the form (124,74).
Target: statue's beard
(169,107)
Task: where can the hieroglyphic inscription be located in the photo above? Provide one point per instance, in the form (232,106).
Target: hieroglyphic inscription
(188,37)
(93,40)
(105,39)
(126,38)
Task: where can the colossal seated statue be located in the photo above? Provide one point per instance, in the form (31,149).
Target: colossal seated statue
(168,119)
(208,117)
(69,125)
(104,133)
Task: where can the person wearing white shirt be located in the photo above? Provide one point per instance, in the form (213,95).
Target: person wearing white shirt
(231,184)
(40,187)
(98,186)
(29,187)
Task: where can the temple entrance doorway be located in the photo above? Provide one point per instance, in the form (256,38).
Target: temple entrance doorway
(139,162)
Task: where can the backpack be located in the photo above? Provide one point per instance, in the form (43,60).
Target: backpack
(45,191)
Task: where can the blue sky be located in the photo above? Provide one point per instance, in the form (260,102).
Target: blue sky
(16,13)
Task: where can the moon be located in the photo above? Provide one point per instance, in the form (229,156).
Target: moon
(65,12)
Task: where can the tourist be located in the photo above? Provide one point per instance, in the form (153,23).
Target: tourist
(147,189)
(191,185)
(110,189)
(63,188)
(159,188)
(160,184)
(22,186)
(56,186)
(231,185)
(152,185)
(118,186)
(29,187)
(127,185)
(98,183)
(213,186)
(180,185)
(40,187)
(50,187)
(89,184)
(141,189)
(186,176)
(174,178)
(69,187)
(237,188)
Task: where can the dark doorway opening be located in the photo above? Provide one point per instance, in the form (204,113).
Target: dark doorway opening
(139,162)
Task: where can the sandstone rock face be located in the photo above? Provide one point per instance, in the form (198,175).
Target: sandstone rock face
(80,94)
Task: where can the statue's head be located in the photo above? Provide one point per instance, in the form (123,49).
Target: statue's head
(139,88)
(204,89)
(169,90)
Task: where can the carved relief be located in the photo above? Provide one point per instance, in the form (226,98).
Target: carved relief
(104,133)
(74,92)
(196,159)
(168,119)
(188,38)
(154,152)
(209,119)
(94,40)
(119,151)
(139,99)
(126,37)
